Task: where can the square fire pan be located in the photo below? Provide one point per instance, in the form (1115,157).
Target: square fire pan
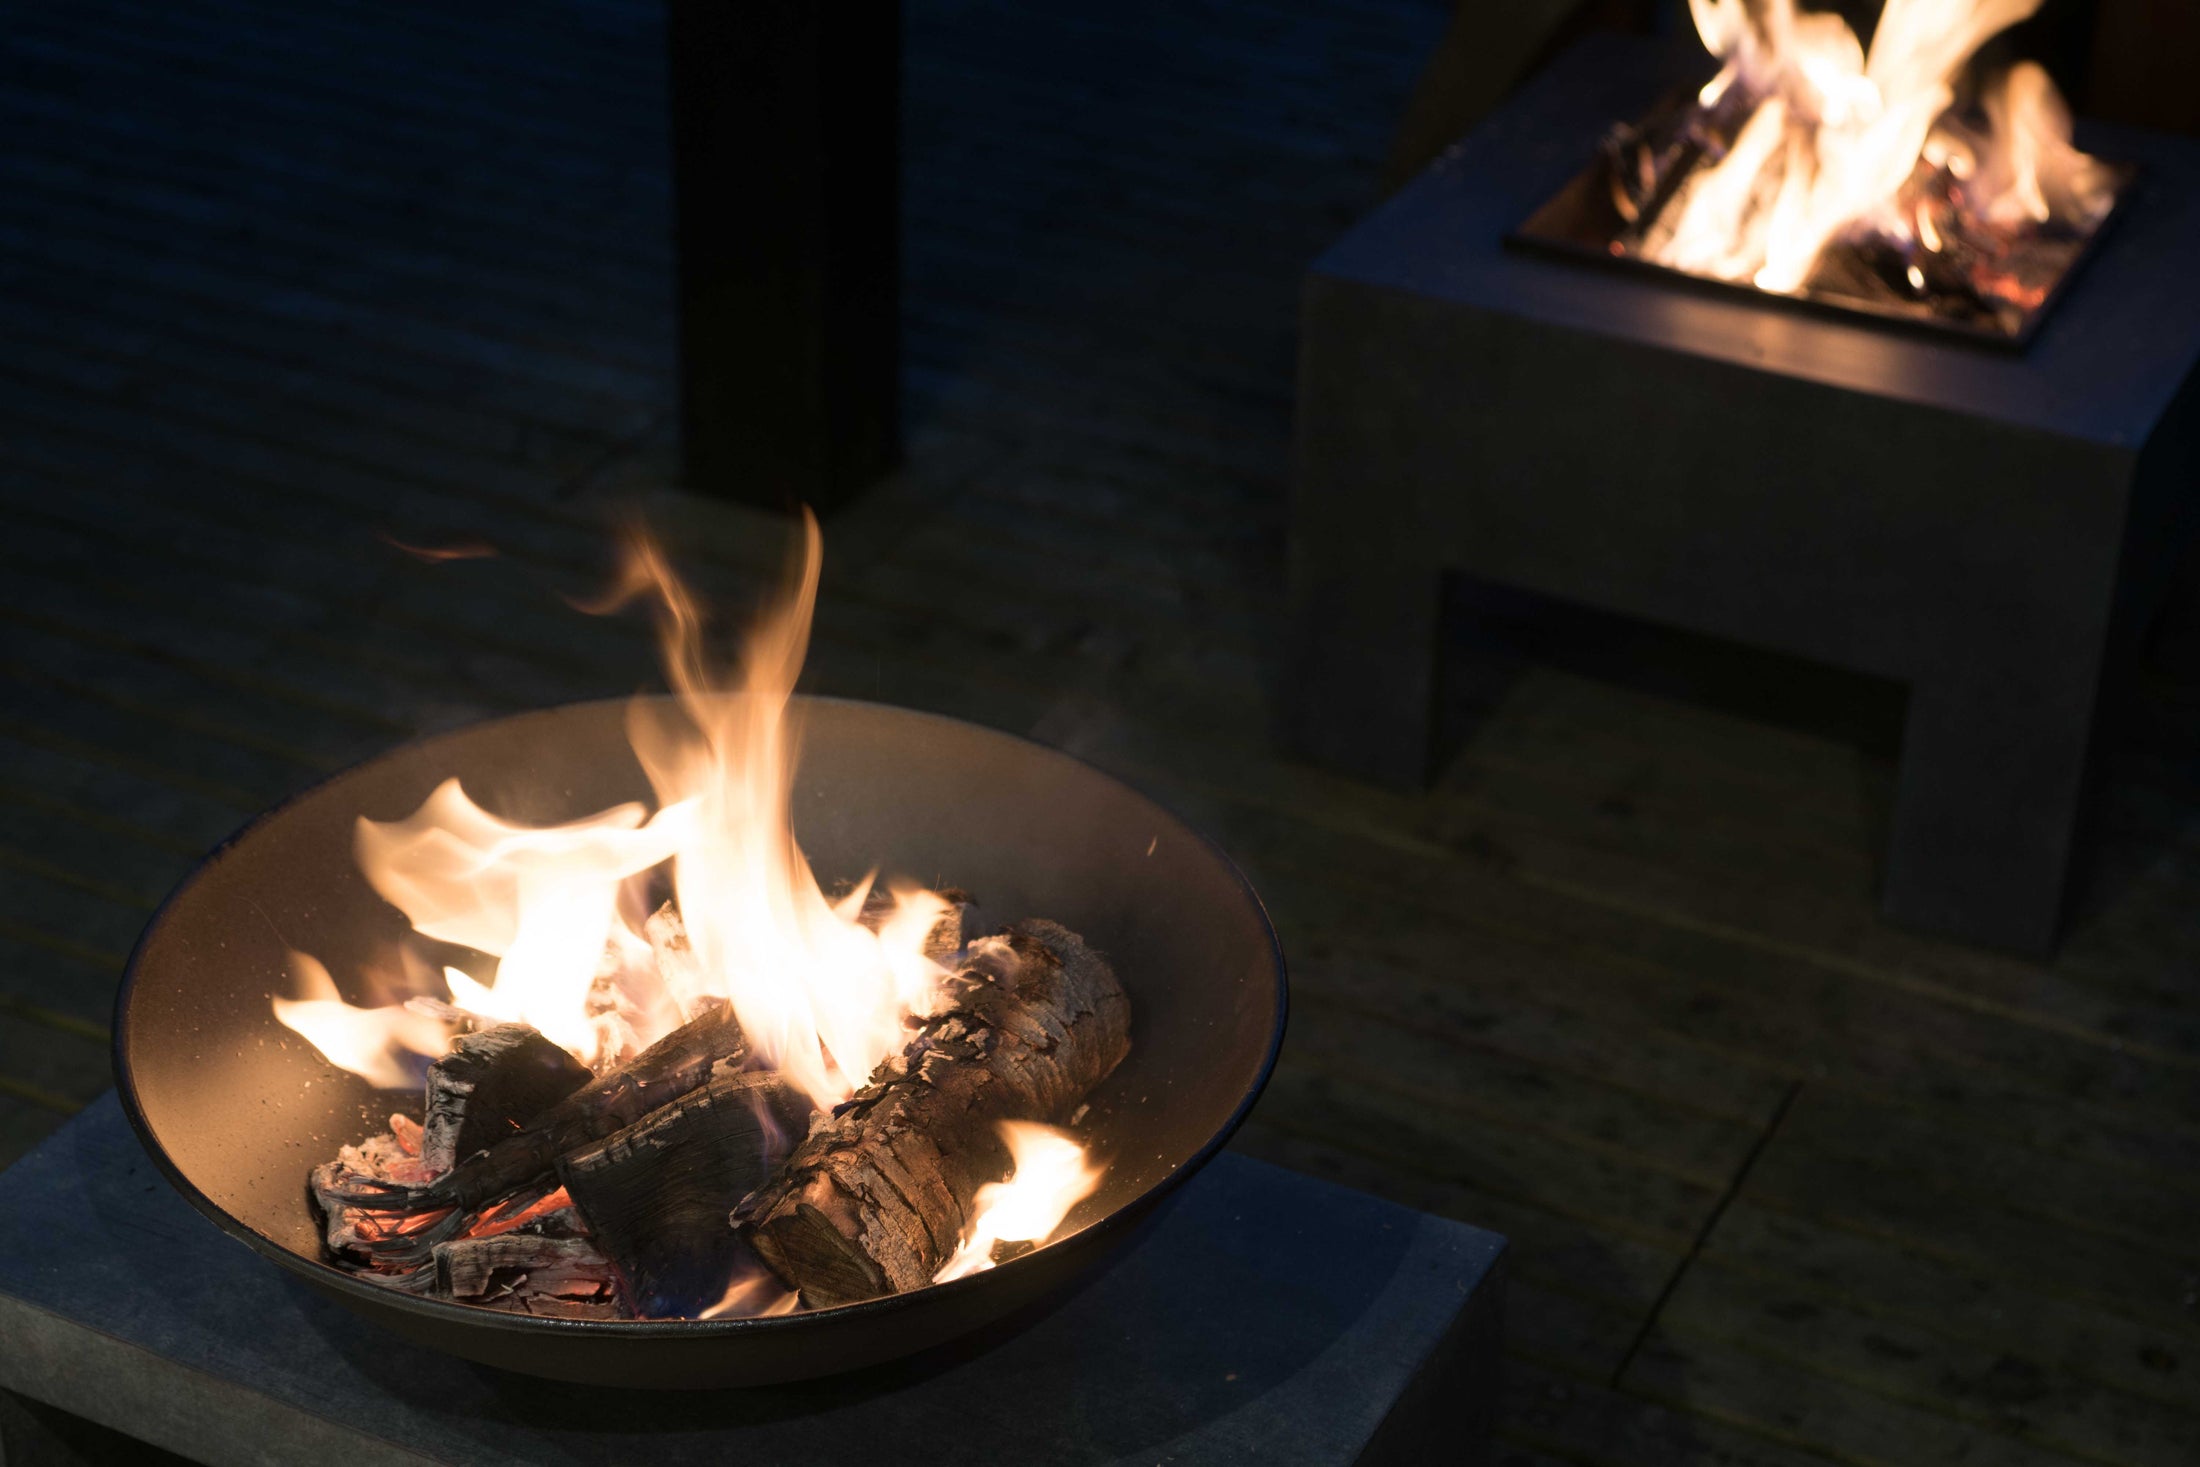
(1579,222)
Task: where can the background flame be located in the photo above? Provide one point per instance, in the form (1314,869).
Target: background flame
(1836,133)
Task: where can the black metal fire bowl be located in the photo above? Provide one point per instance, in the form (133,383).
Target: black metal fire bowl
(234,1108)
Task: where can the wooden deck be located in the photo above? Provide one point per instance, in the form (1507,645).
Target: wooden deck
(1785,1186)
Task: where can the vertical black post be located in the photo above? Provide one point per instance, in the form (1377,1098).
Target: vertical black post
(786,184)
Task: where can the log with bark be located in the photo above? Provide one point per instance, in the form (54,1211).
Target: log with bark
(876,1198)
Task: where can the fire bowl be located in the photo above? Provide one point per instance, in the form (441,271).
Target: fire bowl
(235,1108)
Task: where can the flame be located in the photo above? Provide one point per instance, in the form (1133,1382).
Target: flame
(1051,1176)
(371,1043)
(753,1295)
(2033,172)
(543,900)
(1835,137)
(822,995)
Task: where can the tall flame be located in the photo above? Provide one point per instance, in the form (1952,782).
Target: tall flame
(1835,134)
(822,994)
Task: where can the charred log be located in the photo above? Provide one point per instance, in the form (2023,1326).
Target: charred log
(670,1068)
(876,1198)
(523,1273)
(656,1194)
(491,1084)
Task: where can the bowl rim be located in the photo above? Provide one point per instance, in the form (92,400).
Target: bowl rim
(450,1311)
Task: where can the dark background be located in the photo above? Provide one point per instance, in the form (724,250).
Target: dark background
(282,284)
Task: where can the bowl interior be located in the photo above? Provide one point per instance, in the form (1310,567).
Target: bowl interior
(240,1108)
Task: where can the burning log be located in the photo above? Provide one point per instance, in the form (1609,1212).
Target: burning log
(492,1083)
(1648,162)
(874,1201)
(655,1194)
(676,1064)
(566,1278)
(391,1220)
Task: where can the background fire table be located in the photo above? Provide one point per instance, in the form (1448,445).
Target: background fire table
(1990,529)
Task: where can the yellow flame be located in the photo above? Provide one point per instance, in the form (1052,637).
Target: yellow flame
(371,1043)
(753,1295)
(1051,1176)
(1837,132)
(2034,173)
(543,901)
(822,996)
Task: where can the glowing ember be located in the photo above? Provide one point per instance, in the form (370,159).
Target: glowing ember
(1051,1176)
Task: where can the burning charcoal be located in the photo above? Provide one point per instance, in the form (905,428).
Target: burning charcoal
(525,1274)
(656,1194)
(875,1200)
(490,1085)
(668,1069)
(552,1215)
(352,1233)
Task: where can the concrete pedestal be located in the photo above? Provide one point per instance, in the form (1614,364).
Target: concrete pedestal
(1262,1317)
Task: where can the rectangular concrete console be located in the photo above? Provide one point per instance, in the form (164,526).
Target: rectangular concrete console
(1990,529)
(1263,1317)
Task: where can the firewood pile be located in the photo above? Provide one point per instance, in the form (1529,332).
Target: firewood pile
(689,1179)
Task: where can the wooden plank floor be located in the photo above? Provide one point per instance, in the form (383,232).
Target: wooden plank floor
(279,284)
